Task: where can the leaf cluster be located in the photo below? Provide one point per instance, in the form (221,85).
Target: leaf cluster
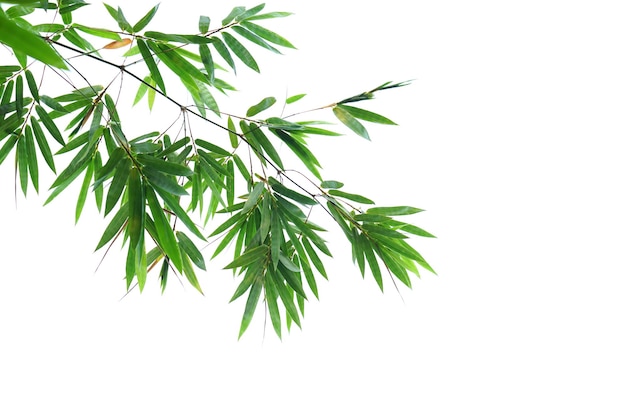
(160,190)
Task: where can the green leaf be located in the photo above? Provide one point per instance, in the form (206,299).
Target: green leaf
(190,274)
(240,51)
(253,197)
(349,196)
(119,18)
(373,263)
(270,298)
(223,51)
(7,147)
(251,303)
(382,231)
(118,184)
(245,33)
(191,250)
(164,166)
(265,143)
(207,61)
(228,223)
(101,33)
(394,210)
(291,194)
(163,182)
(250,256)
(249,13)
(317,262)
(295,98)
(43,144)
(49,124)
(136,207)
(32,85)
(284,295)
(203,24)
(331,184)
(28,42)
(82,195)
(22,163)
(31,156)
(236,11)
(114,226)
(267,34)
(152,66)
(409,228)
(366,115)
(178,211)
(352,123)
(211,147)
(143,22)
(264,104)
(166,239)
(271,15)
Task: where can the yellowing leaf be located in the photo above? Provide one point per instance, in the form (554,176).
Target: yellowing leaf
(117,44)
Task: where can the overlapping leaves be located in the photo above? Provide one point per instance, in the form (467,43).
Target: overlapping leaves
(159,191)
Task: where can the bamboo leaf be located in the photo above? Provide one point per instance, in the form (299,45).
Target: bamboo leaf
(120,179)
(254,196)
(245,33)
(118,44)
(250,256)
(270,298)
(203,24)
(166,238)
(350,196)
(223,51)
(191,250)
(143,22)
(150,63)
(82,195)
(173,204)
(264,104)
(295,98)
(394,211)
(366,115)
(33,166)
(240,51)
(267,34)
(28,42)
(43,144)
(353,124)
(32,85)
(331,184)
(114,226)
(136,207)
(251,303)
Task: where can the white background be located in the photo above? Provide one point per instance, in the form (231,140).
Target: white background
(510,137)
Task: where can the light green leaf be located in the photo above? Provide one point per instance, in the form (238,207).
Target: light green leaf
(366,115)
(349,196)
(352,123)
(394,210)
(114,226)
(253,197)
(331,184)
(267,34)
(203,24)
(143,22)
(295,98)
(136,207)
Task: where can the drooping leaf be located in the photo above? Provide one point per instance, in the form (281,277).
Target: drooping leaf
(240,51)
(251,303)
(366,115)
(118,44)
(394,210)
(351,122)
(350,196)
(294,98)
(267,34)
(152,67)
(191,250)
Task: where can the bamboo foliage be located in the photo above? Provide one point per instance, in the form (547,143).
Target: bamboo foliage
(167,191)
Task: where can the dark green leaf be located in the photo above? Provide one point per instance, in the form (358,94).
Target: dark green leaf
(164,166)
(291,194)
(223,51)
(270,298)
(136,207)
(163,182)
(6,148)
(175,207)
(118,184)
(32,85)
(250,12)
(33,166)
(101,33)
(236,11)
(253,197)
